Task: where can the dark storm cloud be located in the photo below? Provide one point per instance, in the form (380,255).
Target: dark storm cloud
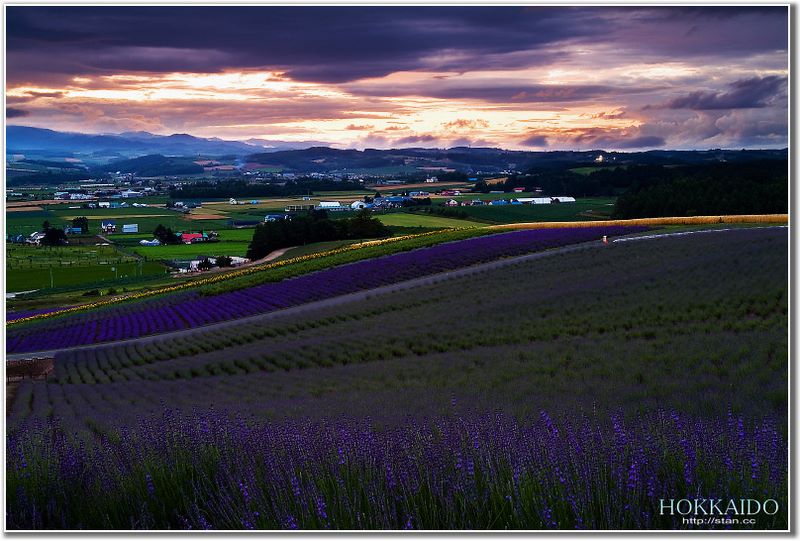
(743,94)
(13,112)
(497,90)
(535,141)
(325,44)
(338,44)
(644,141)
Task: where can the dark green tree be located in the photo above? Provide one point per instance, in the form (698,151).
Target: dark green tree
(82,222)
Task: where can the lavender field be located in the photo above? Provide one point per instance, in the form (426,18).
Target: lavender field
(573,391)
(191,309)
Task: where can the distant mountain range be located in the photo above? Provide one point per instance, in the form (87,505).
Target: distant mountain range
(116,151)
(21,139)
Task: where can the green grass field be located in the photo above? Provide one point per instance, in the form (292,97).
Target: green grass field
(405,219)
(506,214)
(31,267)
(314,248)
(189,251)
(39,278)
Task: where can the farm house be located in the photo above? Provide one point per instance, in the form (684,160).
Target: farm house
(108,226)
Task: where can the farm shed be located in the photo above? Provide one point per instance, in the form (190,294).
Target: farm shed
(356,205)
(330,205)
(562,199)
(130,228)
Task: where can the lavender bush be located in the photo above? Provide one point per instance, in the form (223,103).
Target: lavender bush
(208,471)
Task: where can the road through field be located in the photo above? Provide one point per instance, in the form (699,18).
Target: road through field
(368,293)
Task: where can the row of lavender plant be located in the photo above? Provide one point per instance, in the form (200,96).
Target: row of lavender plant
(192,310)
(490,471)
(13,316)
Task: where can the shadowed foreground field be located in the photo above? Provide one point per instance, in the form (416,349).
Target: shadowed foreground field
(568,392)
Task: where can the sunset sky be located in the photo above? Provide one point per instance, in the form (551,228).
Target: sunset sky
(534,78)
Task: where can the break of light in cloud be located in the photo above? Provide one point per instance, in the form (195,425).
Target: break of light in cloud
(541,78)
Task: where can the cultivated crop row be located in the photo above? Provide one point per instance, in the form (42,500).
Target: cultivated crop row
(689,322)
(190,310)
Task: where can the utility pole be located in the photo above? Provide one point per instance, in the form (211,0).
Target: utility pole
(51,277)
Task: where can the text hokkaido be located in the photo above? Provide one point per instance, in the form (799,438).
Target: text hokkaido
(714,506)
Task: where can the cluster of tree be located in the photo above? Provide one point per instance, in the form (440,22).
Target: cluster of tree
(166,235)
(315,226)
(53,236)
(732,185)
(154,165)
(759,187)
(224,261)
(219,261)
(244,189)
(82,222)
(46,178)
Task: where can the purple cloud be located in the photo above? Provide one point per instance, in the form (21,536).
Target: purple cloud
(743,94)
(535,141)
(13,112)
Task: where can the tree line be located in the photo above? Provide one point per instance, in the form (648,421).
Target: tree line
(244,189)
(759,187)
(314,226)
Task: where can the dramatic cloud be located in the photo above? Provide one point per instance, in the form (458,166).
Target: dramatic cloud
(534,141)
(415,139)
(464,124)
(12,112)
(511,76)
(743,94)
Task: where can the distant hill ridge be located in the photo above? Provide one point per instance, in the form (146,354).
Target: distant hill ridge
(318,157)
